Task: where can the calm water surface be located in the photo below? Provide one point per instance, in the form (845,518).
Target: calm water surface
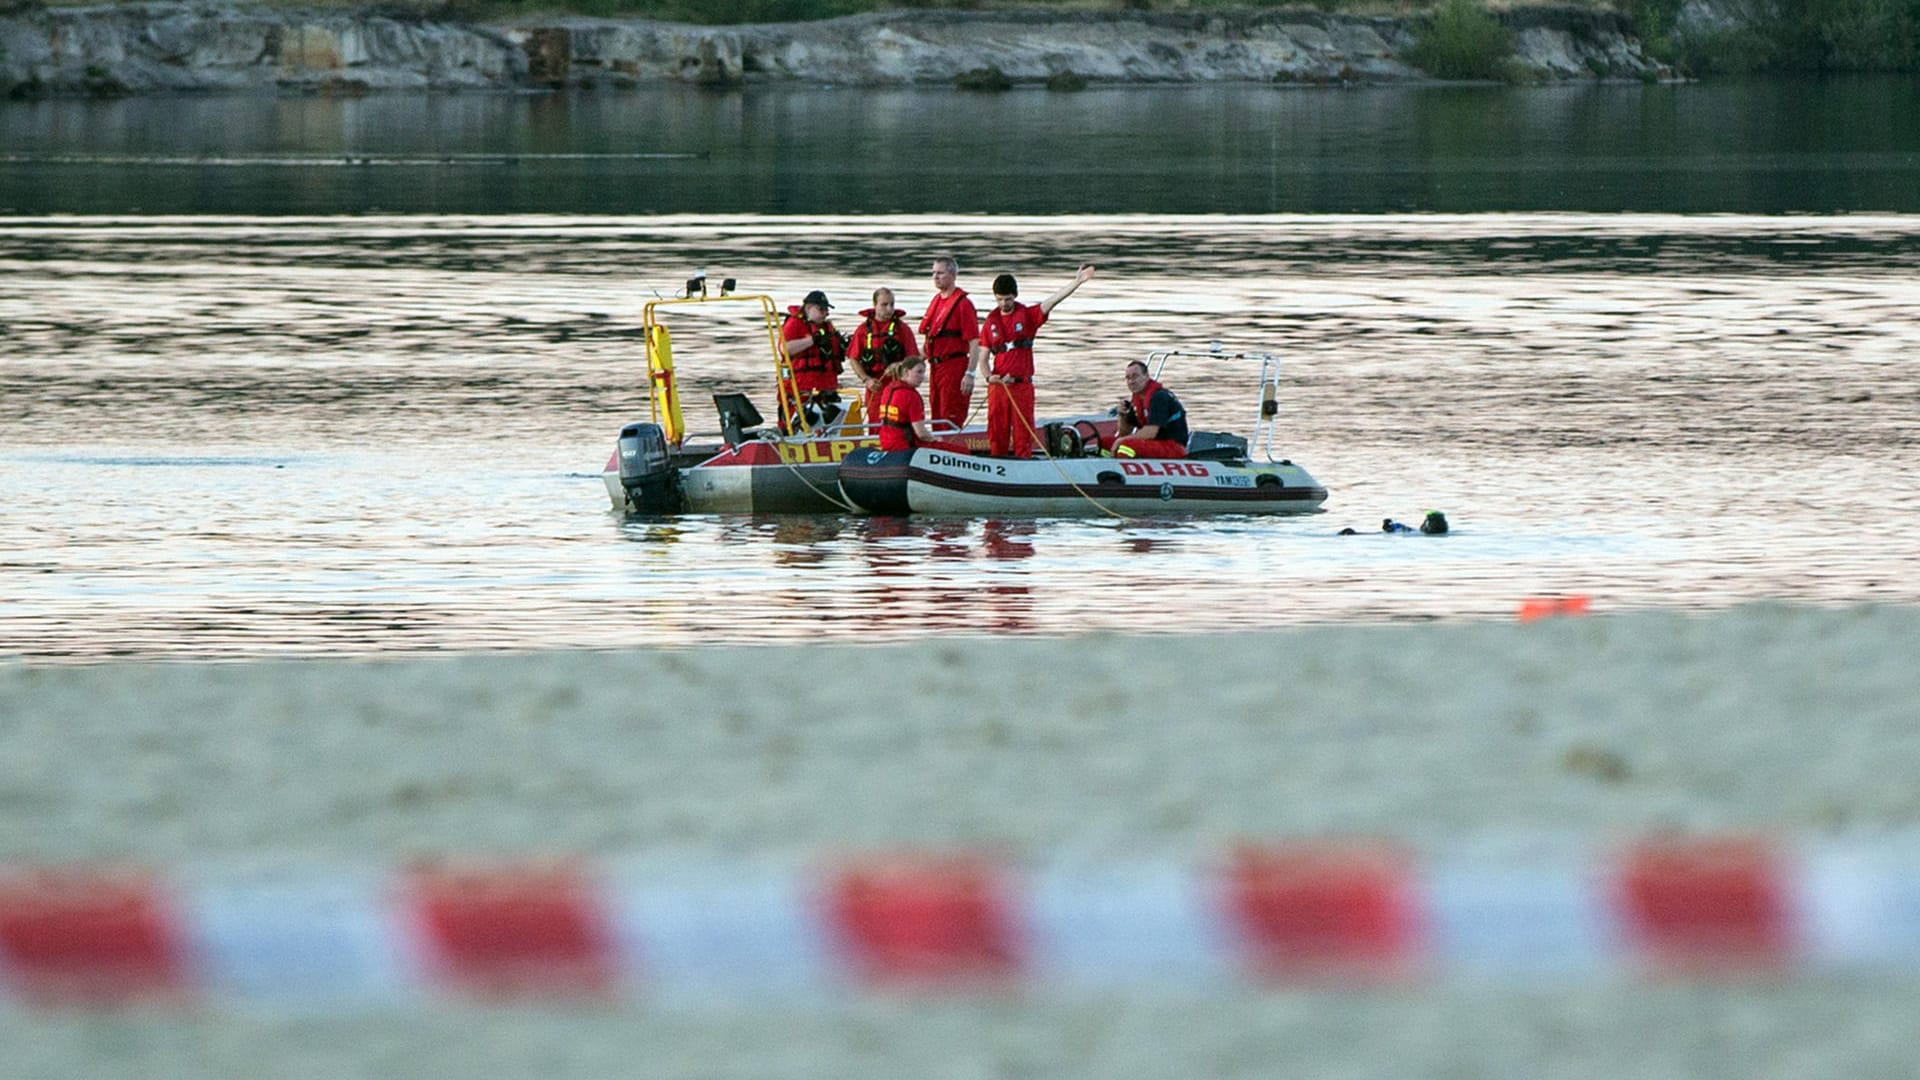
(1776,146)
(239,436)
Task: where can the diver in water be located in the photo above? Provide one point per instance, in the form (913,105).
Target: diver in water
(1434,524)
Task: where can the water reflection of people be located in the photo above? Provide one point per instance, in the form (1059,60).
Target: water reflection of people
(947,535)
(1152,422)
(1007,540)
(880,341)
(804,540)
(1007,338)
(816,354)
(905,579)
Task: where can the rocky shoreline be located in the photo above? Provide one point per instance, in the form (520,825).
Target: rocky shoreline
(195,47)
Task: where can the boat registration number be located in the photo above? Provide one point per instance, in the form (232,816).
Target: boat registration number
(1232,480)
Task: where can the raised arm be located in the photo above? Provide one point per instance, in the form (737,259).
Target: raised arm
(1085,274)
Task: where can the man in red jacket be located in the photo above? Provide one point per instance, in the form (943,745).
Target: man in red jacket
(950,327)
(1007,337)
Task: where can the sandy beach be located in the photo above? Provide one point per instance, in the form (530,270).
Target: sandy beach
(1765,719)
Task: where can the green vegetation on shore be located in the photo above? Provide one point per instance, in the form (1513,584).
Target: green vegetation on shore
(1464,41)
(1786,35)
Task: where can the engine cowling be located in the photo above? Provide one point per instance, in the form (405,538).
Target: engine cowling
(647,472)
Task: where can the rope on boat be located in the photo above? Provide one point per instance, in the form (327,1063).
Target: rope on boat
(1041,443)
(817,490)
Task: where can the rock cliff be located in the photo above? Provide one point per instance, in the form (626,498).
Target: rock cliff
(168,47)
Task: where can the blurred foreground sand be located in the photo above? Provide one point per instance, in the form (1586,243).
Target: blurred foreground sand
(1767,719)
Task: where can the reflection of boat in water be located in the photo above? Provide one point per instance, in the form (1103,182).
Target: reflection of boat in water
(827,464)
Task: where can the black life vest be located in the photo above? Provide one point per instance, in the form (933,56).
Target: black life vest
(882,348)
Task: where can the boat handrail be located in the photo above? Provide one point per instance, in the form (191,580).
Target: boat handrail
(1266,420)
(664,390)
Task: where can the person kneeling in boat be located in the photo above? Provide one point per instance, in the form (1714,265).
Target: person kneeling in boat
(882,340)
(816,354)
(1152,422)
(902,412)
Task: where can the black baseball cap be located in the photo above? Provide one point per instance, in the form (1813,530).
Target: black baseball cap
(816,297)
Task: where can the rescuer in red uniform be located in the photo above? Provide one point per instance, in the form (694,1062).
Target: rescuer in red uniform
(902,415)
(1006,338)
(950,327)
(816,354)
(879,342)
(1153,424)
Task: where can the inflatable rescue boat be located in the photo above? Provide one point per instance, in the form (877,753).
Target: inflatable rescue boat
(813,463)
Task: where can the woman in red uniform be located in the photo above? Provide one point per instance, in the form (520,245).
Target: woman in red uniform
(902,413)
(881,341)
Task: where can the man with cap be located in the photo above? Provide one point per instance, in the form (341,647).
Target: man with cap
(950,327)
(1007,337)
(816,354)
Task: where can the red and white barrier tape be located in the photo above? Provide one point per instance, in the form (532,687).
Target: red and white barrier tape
(1264,916)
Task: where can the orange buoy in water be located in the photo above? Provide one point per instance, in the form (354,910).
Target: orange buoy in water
(1546,607)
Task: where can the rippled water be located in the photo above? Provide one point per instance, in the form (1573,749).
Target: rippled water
(235,437)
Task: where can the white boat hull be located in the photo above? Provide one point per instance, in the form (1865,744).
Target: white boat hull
(936,482)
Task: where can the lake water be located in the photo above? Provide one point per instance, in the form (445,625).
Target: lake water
(323,377)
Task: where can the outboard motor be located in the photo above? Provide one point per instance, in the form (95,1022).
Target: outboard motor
(647,471)
(1216,446)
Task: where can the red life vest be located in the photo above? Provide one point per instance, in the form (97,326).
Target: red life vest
(828,351)
(893,417)
(944,340)
(1142,399)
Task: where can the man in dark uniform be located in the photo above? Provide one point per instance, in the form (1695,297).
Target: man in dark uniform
(1153,424)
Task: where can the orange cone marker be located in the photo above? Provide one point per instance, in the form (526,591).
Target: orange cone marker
(1544,607)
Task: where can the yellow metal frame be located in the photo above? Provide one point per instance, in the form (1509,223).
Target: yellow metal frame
(664,391)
